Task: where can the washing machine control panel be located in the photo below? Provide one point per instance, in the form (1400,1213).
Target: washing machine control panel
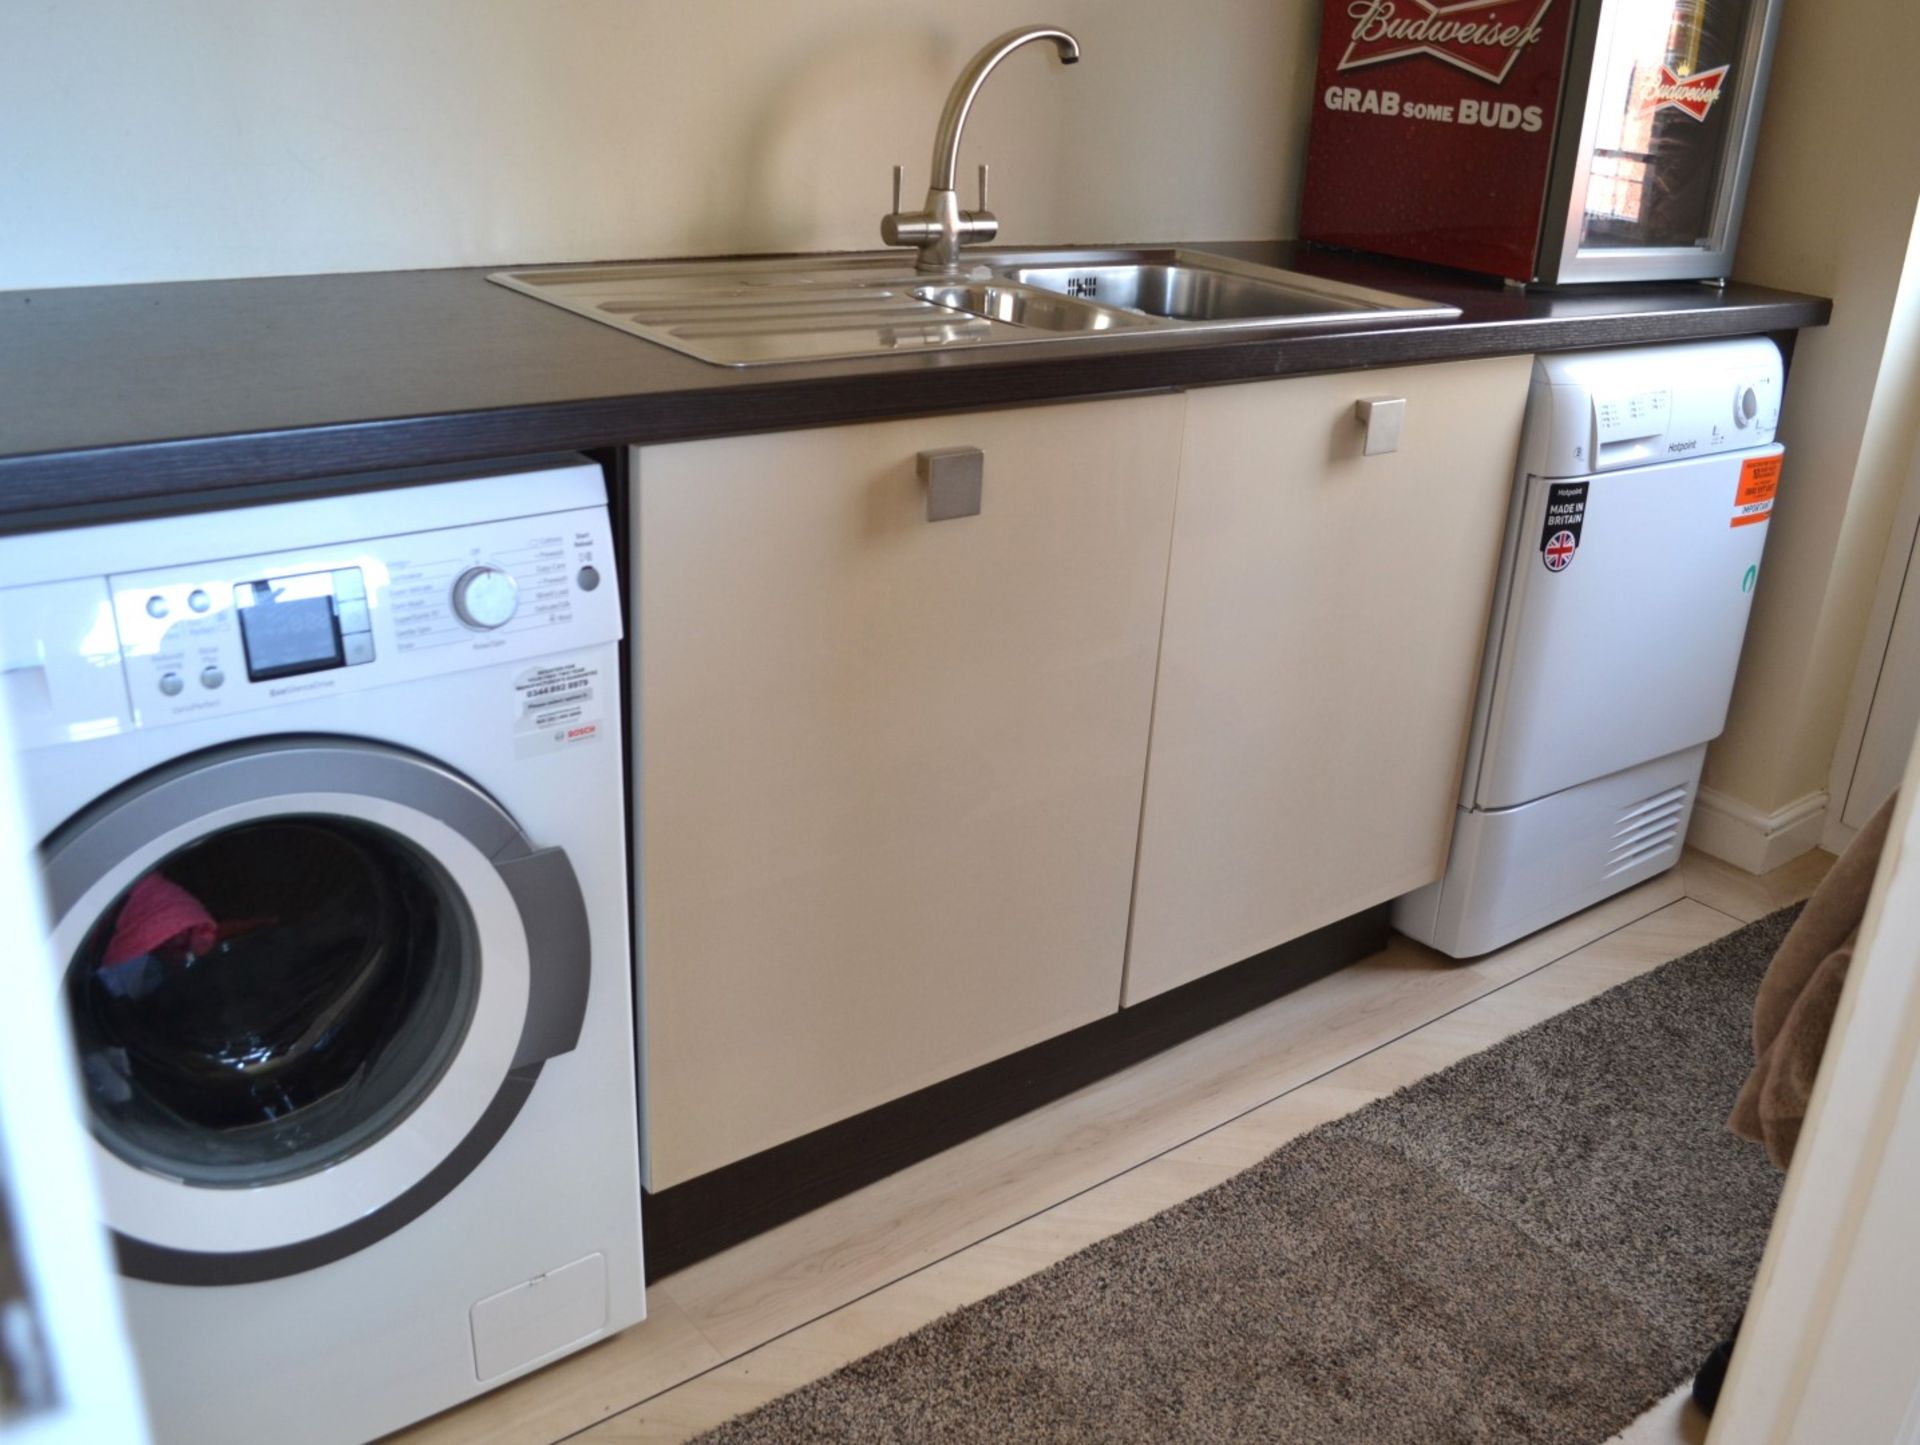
(140,649)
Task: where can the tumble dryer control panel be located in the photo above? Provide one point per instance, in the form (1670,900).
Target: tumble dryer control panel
(92,656)
(1597,411)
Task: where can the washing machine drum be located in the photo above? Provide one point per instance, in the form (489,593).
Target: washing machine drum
(270,998)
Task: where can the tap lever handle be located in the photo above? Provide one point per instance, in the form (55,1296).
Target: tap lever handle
(896,190)
(983,185)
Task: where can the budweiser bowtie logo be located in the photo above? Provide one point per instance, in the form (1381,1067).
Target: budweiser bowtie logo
(1694,95)
(1481,37)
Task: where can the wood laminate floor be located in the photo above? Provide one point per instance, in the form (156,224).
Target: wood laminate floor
(782,1309)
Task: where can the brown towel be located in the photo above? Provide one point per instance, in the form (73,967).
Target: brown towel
(1798,997)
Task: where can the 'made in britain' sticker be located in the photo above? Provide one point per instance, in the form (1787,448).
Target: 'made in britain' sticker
(1566,513)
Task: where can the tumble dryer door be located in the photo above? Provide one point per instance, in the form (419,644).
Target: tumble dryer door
(312,982)
(1620,622)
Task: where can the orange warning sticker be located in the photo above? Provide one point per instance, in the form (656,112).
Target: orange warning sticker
(1759,480)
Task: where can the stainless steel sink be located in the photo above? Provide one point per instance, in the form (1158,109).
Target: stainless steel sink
(755,312)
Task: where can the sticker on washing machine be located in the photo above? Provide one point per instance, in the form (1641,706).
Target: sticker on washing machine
(1759,480)
(1566,513)
(557,706)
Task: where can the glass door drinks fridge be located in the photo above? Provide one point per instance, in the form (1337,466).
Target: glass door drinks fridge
(1545,141)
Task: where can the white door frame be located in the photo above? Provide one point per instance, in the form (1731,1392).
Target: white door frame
(1826,1351)
(49,1178)
(1900,556)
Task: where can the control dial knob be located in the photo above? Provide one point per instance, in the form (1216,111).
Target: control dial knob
(1746,406)
(485,597)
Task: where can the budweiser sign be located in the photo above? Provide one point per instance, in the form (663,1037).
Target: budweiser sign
(1481,37)
(1693,95)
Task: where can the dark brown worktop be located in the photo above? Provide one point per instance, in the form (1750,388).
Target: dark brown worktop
(130,395)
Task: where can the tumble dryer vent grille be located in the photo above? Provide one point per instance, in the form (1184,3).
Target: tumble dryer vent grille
(1647,829)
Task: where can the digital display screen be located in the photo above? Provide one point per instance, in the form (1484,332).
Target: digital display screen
(288,626)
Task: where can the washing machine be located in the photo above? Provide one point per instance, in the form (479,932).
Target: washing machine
(328,799)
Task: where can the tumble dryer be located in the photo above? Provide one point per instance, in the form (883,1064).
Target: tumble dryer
(1646,485)
(328,800)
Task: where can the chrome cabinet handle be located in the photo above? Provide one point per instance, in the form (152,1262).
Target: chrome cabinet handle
(1383,417)
(953,476)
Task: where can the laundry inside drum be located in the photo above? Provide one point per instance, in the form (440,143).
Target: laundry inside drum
(271,999)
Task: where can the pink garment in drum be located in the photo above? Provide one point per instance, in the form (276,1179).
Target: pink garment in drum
(159,911)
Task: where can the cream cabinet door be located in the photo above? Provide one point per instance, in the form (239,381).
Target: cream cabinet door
(889,769)
(1325,614)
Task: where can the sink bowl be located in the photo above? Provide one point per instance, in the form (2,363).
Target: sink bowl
(1188,292)
(1020,306)
(823,308)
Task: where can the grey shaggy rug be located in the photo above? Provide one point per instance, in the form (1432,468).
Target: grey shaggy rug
(1536,1244)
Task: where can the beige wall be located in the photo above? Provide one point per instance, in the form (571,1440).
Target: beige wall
(181,139)
(1831,210)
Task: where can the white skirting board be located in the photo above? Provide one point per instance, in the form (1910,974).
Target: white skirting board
(1740,834)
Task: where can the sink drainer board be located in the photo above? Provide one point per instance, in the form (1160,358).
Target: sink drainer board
(756,312)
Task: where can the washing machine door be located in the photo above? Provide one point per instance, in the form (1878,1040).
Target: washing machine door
(312,982)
